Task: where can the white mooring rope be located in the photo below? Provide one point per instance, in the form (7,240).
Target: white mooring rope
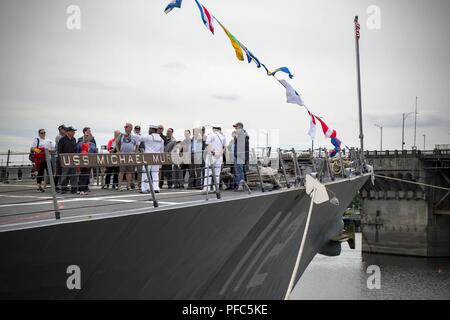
(412,182)
(302,245)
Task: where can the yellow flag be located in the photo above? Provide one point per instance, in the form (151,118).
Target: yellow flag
(234,43)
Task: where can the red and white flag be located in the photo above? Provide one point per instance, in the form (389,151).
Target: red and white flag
(207,17)
(312,127)
(329,133)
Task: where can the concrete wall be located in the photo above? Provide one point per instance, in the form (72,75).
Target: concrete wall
(395,226)
(439,236)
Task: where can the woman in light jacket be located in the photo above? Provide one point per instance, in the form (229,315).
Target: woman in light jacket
(85,146)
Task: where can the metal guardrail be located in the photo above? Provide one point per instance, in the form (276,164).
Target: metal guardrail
(289,166)
(396,153)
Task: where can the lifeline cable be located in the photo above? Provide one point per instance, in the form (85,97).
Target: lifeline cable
(412,182)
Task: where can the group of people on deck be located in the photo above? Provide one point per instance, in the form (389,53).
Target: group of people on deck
(202,155)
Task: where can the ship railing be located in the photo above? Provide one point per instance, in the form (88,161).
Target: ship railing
(265,170)
(19,175)
(17,167)
(317,162)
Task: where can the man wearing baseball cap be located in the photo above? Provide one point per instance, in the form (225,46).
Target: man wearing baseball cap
(241,154)
(62,133)
(68,144)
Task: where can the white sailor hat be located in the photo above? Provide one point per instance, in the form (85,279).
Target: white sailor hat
(152,126)
(216,126)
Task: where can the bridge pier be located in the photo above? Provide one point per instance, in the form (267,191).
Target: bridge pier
(403,218)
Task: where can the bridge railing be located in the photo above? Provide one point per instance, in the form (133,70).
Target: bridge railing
(396,153)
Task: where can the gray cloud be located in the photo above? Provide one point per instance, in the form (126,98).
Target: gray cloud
(425,120)
(89,84)
(226,97)
(175,66)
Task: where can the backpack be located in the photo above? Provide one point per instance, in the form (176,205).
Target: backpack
(31,155)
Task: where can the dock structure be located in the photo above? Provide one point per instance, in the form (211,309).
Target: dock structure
(406,211)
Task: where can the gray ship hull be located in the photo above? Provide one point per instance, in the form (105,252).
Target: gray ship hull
(242,248)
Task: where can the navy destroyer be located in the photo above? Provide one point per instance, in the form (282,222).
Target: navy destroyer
(228,245)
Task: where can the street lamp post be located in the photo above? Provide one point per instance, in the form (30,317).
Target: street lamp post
(404,116)
(424,135)
(415,125)
(381,136)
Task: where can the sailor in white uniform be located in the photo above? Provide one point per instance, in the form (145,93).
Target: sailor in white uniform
(153,143)
(215,148)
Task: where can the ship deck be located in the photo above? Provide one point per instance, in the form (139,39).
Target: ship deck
(21,203)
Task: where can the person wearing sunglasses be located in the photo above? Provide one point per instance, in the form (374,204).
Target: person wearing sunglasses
(37,155)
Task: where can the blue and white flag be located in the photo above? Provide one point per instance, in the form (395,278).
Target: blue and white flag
(282,69)
(173,4)
(251,57)
(292,96)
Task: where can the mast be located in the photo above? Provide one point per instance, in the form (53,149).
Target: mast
(358,73)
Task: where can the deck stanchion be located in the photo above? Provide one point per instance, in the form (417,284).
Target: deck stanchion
(150,183)
(283,169)
(7,166)
(52,183)
(259,172)
(323,163)
(342,164)
(206,181)
(330,172)
(298,174)
(295,168)
(313,162)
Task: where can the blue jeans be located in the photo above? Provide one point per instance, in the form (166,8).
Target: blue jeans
(83,180)
(238,174)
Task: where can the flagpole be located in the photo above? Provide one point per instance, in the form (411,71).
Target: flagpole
(358,73)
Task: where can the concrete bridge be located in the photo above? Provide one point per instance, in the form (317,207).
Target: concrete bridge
(403,218)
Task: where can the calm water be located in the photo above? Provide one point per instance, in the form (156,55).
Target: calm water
(345,277)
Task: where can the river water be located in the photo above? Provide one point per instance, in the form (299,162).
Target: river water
(345,277)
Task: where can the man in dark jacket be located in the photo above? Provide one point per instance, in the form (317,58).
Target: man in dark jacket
(167,170)
(58,170)
(241,154)
(160,131)
(68,144)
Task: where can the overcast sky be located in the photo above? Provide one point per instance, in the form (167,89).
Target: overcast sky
(131,62)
